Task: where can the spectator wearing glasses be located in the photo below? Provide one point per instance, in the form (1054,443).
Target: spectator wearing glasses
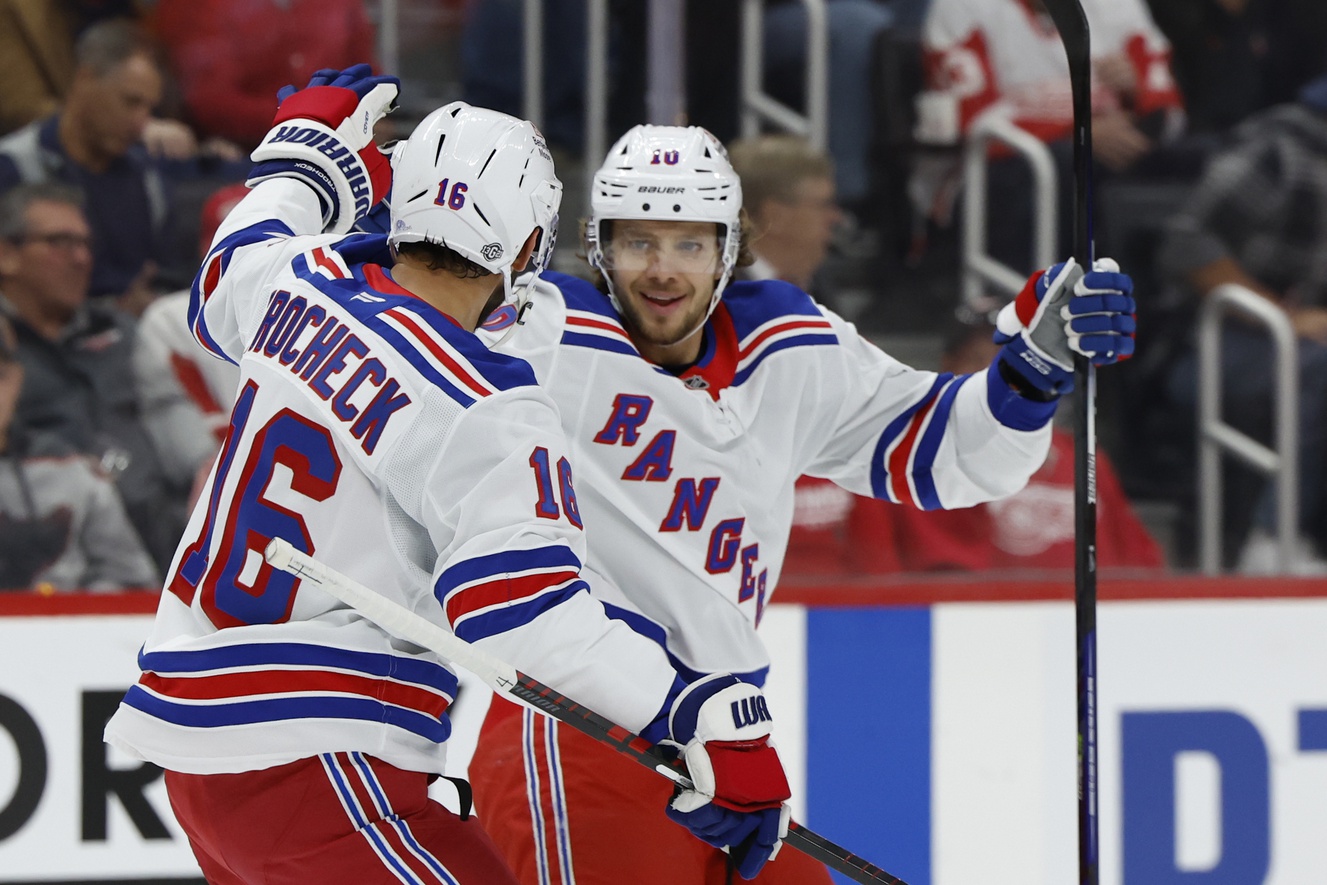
(77,354)
(62,525)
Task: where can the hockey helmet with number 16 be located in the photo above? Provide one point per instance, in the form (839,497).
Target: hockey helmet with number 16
(477,182)
(667,173)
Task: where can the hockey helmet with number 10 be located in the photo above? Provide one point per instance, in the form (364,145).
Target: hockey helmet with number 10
(667,173)
(477,182)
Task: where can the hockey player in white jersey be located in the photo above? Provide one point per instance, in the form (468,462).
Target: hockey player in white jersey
(373,430)
(692,405)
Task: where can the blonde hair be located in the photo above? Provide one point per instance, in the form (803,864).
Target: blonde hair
(772,166)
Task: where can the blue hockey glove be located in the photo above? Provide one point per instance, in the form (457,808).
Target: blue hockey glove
(323,135)
(1063,311)
(738,800)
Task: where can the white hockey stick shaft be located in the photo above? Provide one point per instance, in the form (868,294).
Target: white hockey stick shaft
(395,619)
(402,622)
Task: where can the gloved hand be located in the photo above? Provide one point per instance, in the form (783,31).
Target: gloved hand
(723,728)
(323,135)
(1063,311)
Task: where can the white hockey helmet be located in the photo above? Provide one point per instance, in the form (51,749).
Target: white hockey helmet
(477,182)
(667,173)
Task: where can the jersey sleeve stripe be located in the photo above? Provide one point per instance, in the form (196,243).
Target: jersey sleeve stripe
(503,590)
(483,568)
(881,465)
(923,460)
(213,271)
(509,617)
(902,454)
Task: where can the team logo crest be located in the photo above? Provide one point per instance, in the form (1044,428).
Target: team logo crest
(491,252)
(695,382)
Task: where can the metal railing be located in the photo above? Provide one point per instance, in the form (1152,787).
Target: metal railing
(759,106)
(1214,435)
(979,269)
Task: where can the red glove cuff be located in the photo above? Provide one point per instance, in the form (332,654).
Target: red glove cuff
(747,775)
(329,105)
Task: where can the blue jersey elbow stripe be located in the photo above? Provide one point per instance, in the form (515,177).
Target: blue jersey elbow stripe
(508,562)
(879,473)
(375,664)
(275,710)
(500,620)
(923,479)
(816,339)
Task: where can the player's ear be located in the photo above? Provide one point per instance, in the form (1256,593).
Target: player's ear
(527,250)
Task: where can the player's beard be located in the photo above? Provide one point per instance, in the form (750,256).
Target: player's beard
(647,328)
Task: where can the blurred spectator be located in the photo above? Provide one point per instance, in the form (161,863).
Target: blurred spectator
(1005,58)
(37,53)
(854,27)
(1220,54)
(231,56)
(36,59)
(62,526)
(1233,58)
(185,392)
(837,533)
(788,192)
(491,62)
(76,355)
(95,142)
(1258,218)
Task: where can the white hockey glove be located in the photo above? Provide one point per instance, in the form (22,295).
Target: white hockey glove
(323,135)
(1063,311)
(738,804)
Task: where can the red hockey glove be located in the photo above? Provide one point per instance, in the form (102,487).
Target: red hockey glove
(323,135)
(738,800)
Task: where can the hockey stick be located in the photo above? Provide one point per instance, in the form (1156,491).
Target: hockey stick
(504,678)
(1071,22)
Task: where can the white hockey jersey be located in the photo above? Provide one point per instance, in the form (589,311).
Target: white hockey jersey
(374,433)
(686,482)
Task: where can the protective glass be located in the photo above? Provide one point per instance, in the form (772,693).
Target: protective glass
(672,251)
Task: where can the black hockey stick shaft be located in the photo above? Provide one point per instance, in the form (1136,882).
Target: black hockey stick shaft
(1071,22)
(504,678)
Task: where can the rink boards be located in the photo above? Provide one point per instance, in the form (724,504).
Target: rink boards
(934,735)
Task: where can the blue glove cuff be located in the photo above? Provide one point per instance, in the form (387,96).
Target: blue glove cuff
(1012,408)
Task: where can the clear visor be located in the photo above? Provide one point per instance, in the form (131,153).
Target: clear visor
(690,248)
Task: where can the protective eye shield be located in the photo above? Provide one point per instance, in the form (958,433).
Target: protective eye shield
(679,258)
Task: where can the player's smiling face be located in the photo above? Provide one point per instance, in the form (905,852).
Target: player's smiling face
(663,274)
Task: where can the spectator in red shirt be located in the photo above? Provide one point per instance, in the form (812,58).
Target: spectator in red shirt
(231,56)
